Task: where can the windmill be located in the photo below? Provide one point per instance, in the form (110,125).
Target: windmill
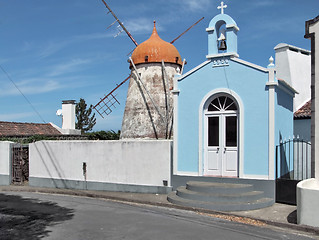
(149,105)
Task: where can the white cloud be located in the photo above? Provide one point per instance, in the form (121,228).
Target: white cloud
(54,46)
(252,5)
(139,25)
(67,67)
(3,60)
(263,3)
(195,5)
(15,116)
(30,86)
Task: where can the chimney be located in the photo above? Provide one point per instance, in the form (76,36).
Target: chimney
(68,114)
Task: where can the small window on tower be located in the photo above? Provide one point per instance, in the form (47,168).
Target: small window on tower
(146,58)
(176,60)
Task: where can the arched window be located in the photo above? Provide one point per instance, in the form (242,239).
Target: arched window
(222,103)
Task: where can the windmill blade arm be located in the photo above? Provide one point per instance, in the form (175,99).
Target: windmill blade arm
(121,24)
(186,30)
(105,105)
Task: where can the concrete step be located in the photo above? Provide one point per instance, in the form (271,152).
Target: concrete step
(220,205)
(220,188)
(183,192)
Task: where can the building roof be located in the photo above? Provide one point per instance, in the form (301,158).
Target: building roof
(155,49)
(11,129)
(304,111)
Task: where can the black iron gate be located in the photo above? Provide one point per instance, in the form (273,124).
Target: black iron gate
(20,164)
(293,164)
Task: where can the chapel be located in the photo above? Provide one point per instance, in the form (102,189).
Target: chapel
(229,115)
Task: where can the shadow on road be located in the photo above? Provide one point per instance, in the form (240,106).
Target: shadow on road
(25,218)
(292,217)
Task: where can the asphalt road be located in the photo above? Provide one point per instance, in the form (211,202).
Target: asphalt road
(45,216)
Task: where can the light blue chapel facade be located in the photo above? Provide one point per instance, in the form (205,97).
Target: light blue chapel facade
(229,114)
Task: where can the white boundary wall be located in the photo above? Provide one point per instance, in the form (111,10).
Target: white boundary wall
(135,162)
(5,162)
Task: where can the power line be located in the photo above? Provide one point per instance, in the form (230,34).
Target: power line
(8,76)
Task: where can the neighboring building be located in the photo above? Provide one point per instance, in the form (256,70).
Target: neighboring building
(302,122)
(293,64)
(22,130)
(68,118)
(308,190)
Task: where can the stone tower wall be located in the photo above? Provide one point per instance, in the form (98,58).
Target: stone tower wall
(141,119)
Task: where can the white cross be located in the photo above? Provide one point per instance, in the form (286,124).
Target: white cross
(222,7)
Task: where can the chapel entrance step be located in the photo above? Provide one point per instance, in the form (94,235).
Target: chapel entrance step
(220,196)
(215,187)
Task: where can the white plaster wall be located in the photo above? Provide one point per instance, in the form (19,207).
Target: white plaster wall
(125,162)
(293,65)
(5,157)
(68,116)
(315,112)
(307,207)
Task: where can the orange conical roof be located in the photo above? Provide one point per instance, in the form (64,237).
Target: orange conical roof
(155,49)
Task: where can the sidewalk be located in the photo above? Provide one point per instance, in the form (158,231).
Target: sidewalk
(279,215)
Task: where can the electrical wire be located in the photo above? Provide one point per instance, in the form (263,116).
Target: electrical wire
(8,76)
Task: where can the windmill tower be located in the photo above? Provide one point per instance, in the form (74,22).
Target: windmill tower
(149,103)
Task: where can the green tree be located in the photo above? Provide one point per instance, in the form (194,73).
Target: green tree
(85,121)
(104,135)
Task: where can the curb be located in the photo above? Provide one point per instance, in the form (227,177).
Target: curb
(83,193)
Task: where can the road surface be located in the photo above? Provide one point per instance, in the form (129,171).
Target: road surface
(46,216)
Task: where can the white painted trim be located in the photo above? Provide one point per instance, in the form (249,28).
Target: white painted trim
(193,70)
(250,64)
(232,26)
(282,84)
(181,173)
(66,131)
(210,29)
(175,122)
(260,177)
(271,84)
(230,54)
(285,46)
(271,124)
(241,128)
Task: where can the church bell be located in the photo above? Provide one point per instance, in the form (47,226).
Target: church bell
(222,45)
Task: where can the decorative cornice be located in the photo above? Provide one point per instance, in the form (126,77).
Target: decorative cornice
(232,26)
(230,54)
(220,62)
(250,64)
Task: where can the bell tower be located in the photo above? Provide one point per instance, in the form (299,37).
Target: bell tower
(222,35)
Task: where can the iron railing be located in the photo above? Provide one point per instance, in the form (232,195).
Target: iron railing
(293,159)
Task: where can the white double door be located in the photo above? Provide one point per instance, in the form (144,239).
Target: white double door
(221,145)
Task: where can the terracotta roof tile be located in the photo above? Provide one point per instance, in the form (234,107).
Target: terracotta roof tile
(27,129)
(304,111)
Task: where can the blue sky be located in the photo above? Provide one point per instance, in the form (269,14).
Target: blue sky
(58,50)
